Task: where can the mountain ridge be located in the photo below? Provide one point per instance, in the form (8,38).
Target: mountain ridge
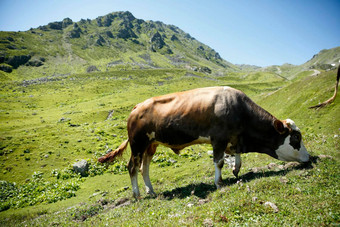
(116,40)
(119,41)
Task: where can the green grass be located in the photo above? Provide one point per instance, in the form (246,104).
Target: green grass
(49,125)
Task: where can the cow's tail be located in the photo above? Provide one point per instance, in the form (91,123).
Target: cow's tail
(109,157)
(329,101)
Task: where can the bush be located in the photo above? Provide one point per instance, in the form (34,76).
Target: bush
(189,153)
(118,167)
(164,159)
(36,191)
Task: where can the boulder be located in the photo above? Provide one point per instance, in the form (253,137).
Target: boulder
(81,167)
(126,33)
(157,42)
(205,69)
(107,20)
(100,40)
(99,21)
(109,34)
(35,63)
(174,38)
(91,68)
(55,25)
(66,22)
(126,16)
(75,32)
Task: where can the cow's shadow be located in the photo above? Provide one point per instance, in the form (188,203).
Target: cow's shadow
(202,190)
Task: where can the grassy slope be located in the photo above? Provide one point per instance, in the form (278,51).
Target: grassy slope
(186,197)
(65,55)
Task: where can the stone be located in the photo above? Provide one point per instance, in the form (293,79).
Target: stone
(66,22)
(81,167)
(109,34)
(58,25)
(126,33)
(100,41)
(272,205)
(35,63)
(174,38)
(91,68)
(157,42)
(75,33)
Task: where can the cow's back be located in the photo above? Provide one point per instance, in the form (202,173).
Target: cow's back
(185,116)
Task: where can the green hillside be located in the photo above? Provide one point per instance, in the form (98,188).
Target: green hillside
(71,88)
(111,42)
(327,59)
(48,125)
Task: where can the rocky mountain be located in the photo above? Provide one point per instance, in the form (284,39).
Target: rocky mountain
(119,41)
(114,41)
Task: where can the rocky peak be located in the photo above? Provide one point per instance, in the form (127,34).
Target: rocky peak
(157,42)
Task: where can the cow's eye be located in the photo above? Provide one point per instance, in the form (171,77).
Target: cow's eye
(296,137)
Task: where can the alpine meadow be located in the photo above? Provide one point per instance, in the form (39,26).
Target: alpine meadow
(67,89)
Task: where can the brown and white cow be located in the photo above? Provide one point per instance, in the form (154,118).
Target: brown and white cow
(221,116)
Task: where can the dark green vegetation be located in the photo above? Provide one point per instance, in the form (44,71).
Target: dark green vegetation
(53,113)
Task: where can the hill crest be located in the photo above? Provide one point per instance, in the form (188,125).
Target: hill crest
(115,41)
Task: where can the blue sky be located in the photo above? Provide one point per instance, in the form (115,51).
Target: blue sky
(258,32)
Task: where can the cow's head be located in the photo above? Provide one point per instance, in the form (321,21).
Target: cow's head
(291,148)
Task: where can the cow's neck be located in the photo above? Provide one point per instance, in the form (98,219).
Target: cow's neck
(259,125)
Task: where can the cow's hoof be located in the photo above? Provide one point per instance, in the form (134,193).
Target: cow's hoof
(235,172)
(219,185)
(137,197)
(152,194)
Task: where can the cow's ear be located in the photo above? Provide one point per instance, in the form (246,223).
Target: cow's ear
(279,126)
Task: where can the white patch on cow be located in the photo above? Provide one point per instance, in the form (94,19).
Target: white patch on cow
(292,124)
(237,166)
(286,152)
(226,87)
(134,183)
(218,173)
(145,173)
(151,135)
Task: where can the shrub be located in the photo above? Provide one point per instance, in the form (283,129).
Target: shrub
(118,167)
(189,153)
(36,191)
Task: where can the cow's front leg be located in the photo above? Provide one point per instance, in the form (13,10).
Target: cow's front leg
(237,166)
(218,173)
(218,162)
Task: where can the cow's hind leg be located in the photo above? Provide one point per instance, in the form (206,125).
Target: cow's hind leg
(219,149)
(237,166)
(133,171)
(134,166)
(147,157)
(240,149)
